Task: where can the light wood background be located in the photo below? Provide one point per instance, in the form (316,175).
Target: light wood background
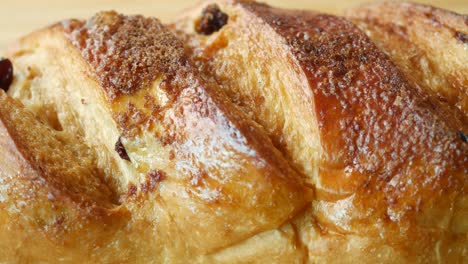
(19,17)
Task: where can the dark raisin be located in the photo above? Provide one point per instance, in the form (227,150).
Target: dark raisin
(463,136)
(120,149)
(6,74)
(461,36)
(212,20)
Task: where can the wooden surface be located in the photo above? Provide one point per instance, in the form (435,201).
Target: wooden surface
(19,17)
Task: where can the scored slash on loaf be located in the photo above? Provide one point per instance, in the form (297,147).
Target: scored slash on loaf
(238,133)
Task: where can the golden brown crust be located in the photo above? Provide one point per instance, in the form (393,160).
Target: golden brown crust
(428,44)
(203,182)
(392,163)
(383,125)
(193,156)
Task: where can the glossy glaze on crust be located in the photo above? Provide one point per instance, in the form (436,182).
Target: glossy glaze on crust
(354,83)
(427,43)
(392,167)
(230,59)
(193,156)
(203,183)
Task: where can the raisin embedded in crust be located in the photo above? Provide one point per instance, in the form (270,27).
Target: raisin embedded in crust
(461,37)
(463,136)
(6,74)
(120,149)
(212,20)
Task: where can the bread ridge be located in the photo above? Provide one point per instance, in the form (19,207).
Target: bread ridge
(259,170)
(349,77)
(178,110)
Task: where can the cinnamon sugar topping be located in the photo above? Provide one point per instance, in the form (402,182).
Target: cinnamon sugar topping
(126,53)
